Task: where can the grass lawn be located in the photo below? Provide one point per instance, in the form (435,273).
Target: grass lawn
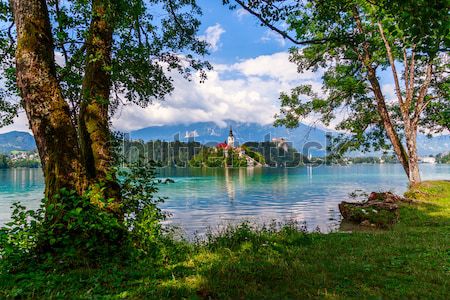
(410,260)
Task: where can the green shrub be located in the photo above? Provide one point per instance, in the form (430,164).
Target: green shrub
(142,215)
(70,230)
(273,235)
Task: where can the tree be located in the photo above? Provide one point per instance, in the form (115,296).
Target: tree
(72,64)
(354,43)
(3,161)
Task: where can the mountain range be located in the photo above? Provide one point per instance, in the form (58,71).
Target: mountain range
(210,132)
(301,137)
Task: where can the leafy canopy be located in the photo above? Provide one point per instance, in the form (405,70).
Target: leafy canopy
(333,37)
(148,39)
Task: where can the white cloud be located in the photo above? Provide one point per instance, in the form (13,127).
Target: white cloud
(212,36)
(20,124)
(270,35)
(388,90)
(191,134)
(246,91)
(59,59)
(275,66)
(241,13)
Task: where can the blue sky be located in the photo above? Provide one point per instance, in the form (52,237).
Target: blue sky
(251,68)
(243,37)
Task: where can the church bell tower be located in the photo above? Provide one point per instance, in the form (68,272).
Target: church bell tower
(230,141)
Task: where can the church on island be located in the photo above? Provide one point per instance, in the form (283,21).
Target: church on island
(229,144)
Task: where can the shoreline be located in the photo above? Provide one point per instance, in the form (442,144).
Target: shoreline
(409,260)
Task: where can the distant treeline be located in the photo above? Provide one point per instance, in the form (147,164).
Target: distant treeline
(184,154)
(443,158)
(387,159)
(6,163)
(162,153)
(278,155)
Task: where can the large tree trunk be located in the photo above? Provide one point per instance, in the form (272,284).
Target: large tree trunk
(94,127)
(366,59)
(409,124)
(95,137)
(387,124)
(47,112)
(411,144)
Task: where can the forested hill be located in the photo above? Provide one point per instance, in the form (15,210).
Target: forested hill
(16,140)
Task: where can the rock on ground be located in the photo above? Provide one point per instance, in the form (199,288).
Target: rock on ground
(379,210)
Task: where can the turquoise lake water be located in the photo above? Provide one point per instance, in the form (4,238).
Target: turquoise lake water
(202,198)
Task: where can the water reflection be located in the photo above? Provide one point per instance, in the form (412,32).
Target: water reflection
(229,185)
(309,170)
(20,180)
(311,194)
(20,184)
(213,197)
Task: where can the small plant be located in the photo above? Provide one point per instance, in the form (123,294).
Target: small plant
(272,235)
(140,205)
(358,194)
(72,229)
(66,230)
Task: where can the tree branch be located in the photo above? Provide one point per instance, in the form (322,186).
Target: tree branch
(394,70)
(11,43)
(405,62)
(175,17)
(284,34)
(381,103)
(425,104)
(411,68)
(420,105)
(61,31)
(410,85)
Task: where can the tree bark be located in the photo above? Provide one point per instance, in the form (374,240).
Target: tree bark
(411,144)
(391,132)
(410,127)
(47,112)
(388,126)
(94,131)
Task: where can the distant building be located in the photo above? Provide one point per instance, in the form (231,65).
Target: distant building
(17,155)
(279,140)
(229,145)
(428,160)
(281,143)
(221,145)
(230,141)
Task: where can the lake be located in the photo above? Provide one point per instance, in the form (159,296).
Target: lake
(202,198)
